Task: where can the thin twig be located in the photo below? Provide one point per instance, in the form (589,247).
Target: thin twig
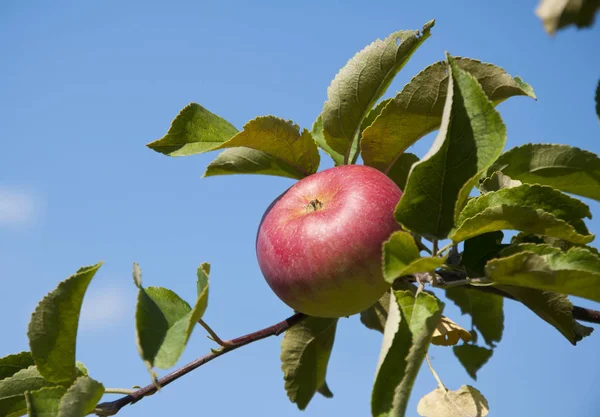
(113,407)
(213,336)
(434,373)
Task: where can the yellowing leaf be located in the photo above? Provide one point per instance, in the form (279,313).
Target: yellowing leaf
(556,14)
(465,402)
(448,333)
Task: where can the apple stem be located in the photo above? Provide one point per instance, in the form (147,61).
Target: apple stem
(314,205)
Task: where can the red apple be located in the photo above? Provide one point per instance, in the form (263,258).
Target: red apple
(319,243)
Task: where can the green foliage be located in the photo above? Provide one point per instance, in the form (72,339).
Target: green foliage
(410,326)
(360,83)
(53,327)
(44,402)
(319,138)
(374,317)
(401,169)
(13,389)
(194,130)
(471,138)
(164,321)
(496,182)
(11,364)
(417,109)
(557,14)
(566,168)
(401,257)
(289,152)
(305,351)
(555,309)
(480,249)
(575,272)
(466,401)
(530,208)
(472,357)
(81,398)
(485,309)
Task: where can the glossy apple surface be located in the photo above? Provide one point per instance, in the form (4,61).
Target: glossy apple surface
(319,243)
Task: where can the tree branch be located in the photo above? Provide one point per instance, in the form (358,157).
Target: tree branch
(113,407)
(579,313)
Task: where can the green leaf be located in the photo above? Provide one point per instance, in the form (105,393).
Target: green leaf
(569,169)
(194,130)
(401,257)
(360,83)
(486,311)
(319,138)
(407,336)
(530,208)
(250,161)
(11,364)
(13,388)
(53,327)
(466,401)
(374,317)
(164,322)
(555,309)
(575,272)
(480,249)
(472,357)
(470,140)
(81,398)
(281,140)
(496,182)
(417,109)
(556,14)
(44,402)
(305,351)
(401,169)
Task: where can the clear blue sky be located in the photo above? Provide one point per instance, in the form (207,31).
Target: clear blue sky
(86,84)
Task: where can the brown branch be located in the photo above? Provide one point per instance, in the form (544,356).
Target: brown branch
(579,313)
(113,407)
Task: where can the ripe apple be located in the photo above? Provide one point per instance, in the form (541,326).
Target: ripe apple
(319,244)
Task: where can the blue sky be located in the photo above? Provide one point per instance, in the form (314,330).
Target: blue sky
(85,85)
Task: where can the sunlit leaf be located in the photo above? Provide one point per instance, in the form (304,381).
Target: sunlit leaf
(164,321)
(556,14)
(566,168)
(11,364)
(53,327)
(401,169)
(472,357)
(407,336)
(13,388)
(417,109)
(361,82)
(194,130)
(44,402)
(530,208)
(466,401)
(448,333)
(575,272)
(292,153)
(317,134)
(486,311)
(305,351)
(470,140)
(374,317)
(81,398)
(401,257)
(497,181)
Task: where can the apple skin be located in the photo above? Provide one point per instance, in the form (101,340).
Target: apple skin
(319,244)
